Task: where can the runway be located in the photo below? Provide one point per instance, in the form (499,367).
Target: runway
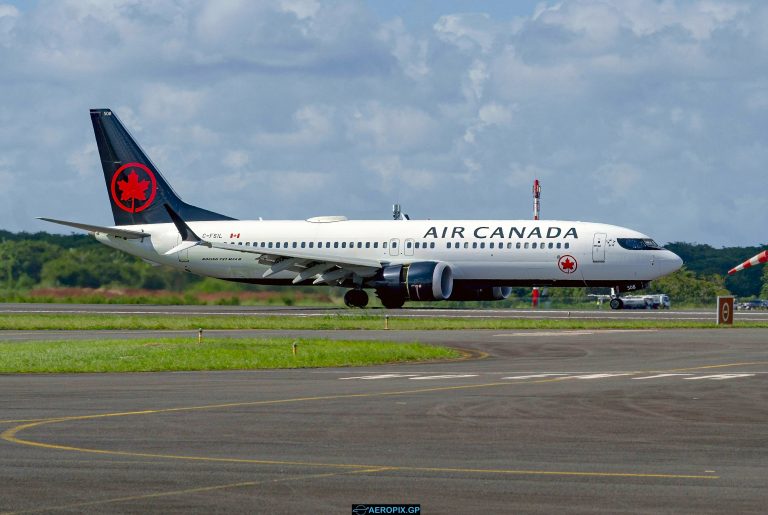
(545,421)
(277,311)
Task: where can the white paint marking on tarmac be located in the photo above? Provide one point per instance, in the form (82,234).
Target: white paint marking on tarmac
(380,376)
(573,333)
(657,376)
(596,376)
(534,376)
(719,377)
(447,376)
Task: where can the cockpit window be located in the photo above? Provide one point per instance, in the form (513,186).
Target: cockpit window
(638,244)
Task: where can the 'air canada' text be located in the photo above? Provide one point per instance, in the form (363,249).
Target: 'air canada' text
(483,232)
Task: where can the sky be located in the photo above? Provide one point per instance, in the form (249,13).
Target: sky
(651,115)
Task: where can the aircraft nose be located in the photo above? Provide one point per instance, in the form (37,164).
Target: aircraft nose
(672,261)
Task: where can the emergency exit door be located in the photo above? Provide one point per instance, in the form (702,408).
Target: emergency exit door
(598,247)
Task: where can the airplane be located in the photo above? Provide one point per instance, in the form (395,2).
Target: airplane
(401,260)
(762,257)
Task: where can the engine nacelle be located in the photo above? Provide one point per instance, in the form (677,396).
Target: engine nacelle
(489,293)
(423,280)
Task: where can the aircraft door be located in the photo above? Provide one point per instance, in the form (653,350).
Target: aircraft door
(408,247)
(598,247)
(393,244)
(184,254)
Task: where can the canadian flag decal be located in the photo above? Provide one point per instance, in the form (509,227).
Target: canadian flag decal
(234,235)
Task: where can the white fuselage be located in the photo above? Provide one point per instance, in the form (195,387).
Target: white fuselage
(479,252)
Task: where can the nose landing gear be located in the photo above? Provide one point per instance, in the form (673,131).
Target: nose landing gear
(356,299)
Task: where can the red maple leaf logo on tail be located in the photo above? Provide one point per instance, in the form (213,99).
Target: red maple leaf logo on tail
(133,189)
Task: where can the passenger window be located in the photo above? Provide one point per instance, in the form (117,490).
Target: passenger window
(384,245)
(482,244)
(567,245)
(526,245)
(559,244)
(285,245)
(294,244)
(367,244)
(432,245)
(376,245)
(447,244)
(490,245)
(270,245)
(551,245)
(394,244)
(533,245)
(359,244)
(466,244)
(311,244)
(407,244)
(303,244)
(335,244)
(517,245)
(474,244)
(509,244)
(343,244)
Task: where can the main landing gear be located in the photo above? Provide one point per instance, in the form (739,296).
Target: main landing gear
(356,299)
(616,303)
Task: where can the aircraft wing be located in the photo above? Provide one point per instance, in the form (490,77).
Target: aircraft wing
(760,258)
(121,233)
(322,267)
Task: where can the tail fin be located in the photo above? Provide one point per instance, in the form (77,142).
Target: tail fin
(137,190)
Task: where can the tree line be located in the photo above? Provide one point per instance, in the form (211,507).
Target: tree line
(34,260)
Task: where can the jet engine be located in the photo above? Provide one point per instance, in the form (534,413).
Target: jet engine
(488,293)
(423,280)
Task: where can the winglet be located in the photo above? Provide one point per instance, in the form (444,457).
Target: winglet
(188,237)
(187,234)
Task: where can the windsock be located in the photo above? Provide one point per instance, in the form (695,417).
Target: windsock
(760,258)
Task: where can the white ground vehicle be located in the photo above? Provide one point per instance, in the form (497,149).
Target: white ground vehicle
(657,301)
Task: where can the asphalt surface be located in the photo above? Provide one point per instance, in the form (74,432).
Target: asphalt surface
(537,422)
(602,314)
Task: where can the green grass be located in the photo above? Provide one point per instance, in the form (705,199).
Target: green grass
(185,322)
(174,354)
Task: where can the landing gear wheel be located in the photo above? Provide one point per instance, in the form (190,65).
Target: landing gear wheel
(356,299)
(392,302)
(616,304)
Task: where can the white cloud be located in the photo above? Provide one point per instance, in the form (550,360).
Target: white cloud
(600,99)
(466,31)
(314,125)
(391,128)
(410,52)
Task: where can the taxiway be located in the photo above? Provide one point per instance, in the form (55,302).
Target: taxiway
(538,422)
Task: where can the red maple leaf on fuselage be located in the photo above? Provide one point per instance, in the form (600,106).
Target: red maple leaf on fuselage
(567,264)
(133,188)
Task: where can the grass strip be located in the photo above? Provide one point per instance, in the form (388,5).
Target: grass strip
(40,321)
(176,354)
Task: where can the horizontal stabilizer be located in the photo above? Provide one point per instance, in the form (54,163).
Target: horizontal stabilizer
(121,233)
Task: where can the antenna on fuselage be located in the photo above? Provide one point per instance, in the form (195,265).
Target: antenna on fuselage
(397,213)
